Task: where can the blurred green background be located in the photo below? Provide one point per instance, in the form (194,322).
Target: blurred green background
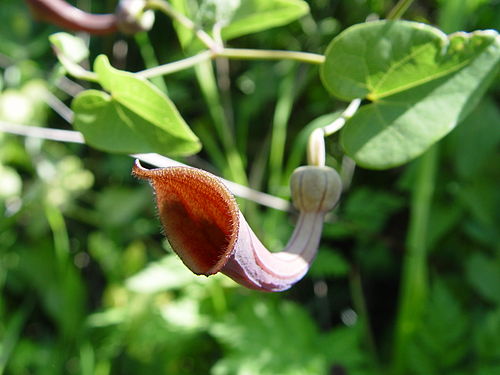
(88,284)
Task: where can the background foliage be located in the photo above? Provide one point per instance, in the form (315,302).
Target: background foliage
(89,285)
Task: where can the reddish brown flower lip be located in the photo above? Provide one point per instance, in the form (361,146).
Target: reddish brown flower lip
(205,227)
(198,214)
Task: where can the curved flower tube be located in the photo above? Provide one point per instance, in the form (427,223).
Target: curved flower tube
(205,227)
(65,15)
(130,16)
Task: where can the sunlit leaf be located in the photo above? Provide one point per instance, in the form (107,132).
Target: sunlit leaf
(440,343)
(69,46)
(487,341)
(421,83)
(97,116)
(62,296)
(484,275)
(252,350)
(11,182)
(166,274)
(134,117)
(252,16)
(329,263)
(475,140)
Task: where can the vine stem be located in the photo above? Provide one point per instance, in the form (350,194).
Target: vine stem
(259,54)
(176,66)
(399,9)
(231,53)
(70,136)
(76,70)
(414,277)
(336,125)
(358,298)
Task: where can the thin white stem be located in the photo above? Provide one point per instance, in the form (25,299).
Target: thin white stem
(261,54)
(76,70)
(316,142)
(217,33)
(176,66)
(347,172)
(231,53)
(70,136)
(351,108)
(316,148)
(340,122)
(58,135)
(59,107)
(69,87)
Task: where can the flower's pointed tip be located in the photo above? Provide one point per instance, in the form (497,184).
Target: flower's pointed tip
(139,171)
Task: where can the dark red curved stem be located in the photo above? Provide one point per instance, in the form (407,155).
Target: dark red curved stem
(60,13)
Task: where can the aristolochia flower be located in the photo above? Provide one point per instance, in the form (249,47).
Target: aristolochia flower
(206,229)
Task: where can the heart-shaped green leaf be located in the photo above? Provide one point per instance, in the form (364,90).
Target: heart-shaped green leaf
(421,82)
(252,16)
(135,117)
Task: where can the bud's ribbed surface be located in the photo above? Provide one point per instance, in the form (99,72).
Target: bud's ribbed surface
(315,189)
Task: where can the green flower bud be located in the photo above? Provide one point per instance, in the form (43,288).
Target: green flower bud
(315,189)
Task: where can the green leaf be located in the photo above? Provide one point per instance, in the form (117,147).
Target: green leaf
(441,344)
(329,263)
(11,183)
(252,16)
(475,140)
(109,203)
(487,340)
(62,294)
(166,274)
(69,46)
(256,337)
(105,125)
(421,82)
(484,275)
(368,210)
(344,349)
(480,200)
(135,117)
